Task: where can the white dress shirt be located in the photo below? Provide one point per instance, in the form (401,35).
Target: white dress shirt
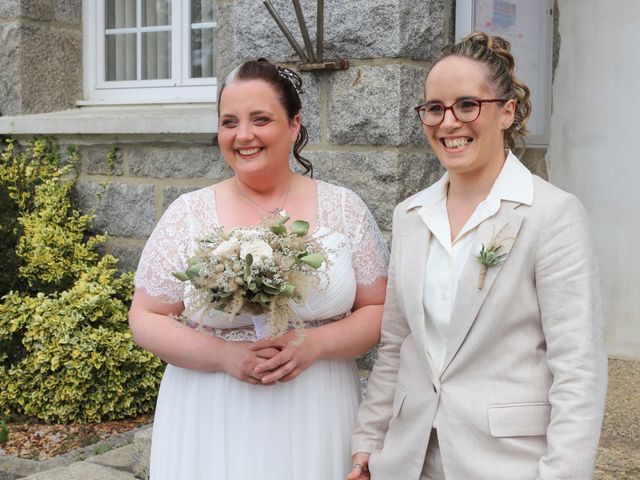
(446,258)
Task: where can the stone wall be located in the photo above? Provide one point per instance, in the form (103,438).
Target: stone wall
(363,131)
(146,176)
(40,55)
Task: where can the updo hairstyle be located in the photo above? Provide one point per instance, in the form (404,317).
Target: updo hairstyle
(495,53)
(287,85)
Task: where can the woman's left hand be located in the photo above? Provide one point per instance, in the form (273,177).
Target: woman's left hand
(298,350)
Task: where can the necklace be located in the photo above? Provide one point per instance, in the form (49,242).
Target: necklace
(278,211)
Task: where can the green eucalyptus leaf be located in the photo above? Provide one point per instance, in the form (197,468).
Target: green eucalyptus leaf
(270,289)
(288,289)
(261,298)
(314,260)
(194,270)
(181,276)
(248,260)
(264,298)
(300,228)
(278,229)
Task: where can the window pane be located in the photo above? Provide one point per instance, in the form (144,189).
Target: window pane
(120,13)
(202,11)
(120,57)
(202,53)
(156,55)
(156,12)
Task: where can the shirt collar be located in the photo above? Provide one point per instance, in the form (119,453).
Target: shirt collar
(514,183)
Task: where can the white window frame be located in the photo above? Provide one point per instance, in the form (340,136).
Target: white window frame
(540,120)
(179,89)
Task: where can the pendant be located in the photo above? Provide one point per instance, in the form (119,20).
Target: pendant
(279,212)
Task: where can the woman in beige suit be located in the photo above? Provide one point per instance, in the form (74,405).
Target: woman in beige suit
(492,364)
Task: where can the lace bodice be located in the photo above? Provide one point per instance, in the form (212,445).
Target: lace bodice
(344,225)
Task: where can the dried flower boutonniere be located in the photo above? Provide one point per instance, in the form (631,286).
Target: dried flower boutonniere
(490,255)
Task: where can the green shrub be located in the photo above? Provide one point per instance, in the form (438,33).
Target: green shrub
(4,432)
(21,171)
(66,353)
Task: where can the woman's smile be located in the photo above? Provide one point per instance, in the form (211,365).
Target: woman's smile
(248,153)
(456,144)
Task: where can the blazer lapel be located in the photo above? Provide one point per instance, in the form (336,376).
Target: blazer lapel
(469,297)
(411,277)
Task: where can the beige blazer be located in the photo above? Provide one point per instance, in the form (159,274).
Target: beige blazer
(521,394)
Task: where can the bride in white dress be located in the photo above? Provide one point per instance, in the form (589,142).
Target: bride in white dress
(231,407)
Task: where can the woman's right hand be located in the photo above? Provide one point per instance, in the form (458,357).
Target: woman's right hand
(240,361)
(361,460)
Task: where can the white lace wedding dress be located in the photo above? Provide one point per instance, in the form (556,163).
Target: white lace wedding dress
(210,426)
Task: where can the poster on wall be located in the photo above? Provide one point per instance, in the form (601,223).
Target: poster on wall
(527,25)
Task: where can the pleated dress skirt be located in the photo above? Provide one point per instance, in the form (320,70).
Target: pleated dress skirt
(211,426)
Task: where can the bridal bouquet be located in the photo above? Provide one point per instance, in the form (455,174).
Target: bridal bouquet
(255,271)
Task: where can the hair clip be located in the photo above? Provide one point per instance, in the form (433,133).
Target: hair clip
(291,77)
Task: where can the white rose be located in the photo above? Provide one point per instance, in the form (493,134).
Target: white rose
(227,247)
(259,249)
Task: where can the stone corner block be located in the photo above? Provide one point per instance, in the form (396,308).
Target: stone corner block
(122,210)
(381,178)
(69,11)
(170,194)
(373,105)
(142,451)
(182,161)
(225,45)
(95,160)
(379,29)
(365,361)
(422,28)
(128,255)
(9,9)
(535,160)
(11,38)
(82,471)
(51,67)
(311,105)
(38,10)
(121,458)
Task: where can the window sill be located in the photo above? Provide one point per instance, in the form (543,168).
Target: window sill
(166,119)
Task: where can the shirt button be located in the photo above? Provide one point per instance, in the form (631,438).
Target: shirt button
(434,388)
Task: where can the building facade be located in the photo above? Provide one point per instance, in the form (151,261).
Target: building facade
(362,128)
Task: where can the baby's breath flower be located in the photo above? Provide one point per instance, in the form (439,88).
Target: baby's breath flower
(255,270)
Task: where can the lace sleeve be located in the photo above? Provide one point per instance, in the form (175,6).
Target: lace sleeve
(370,256)
(165,252)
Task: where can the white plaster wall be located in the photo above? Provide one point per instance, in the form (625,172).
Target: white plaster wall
(595,145)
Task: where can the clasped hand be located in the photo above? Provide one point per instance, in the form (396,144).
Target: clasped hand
(271,360)
(296,351)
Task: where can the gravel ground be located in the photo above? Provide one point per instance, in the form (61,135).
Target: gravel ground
(619,452)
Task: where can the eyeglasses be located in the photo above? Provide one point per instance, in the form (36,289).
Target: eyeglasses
(465,110)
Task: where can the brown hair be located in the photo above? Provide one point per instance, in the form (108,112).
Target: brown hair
(288,86)
(495,53)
